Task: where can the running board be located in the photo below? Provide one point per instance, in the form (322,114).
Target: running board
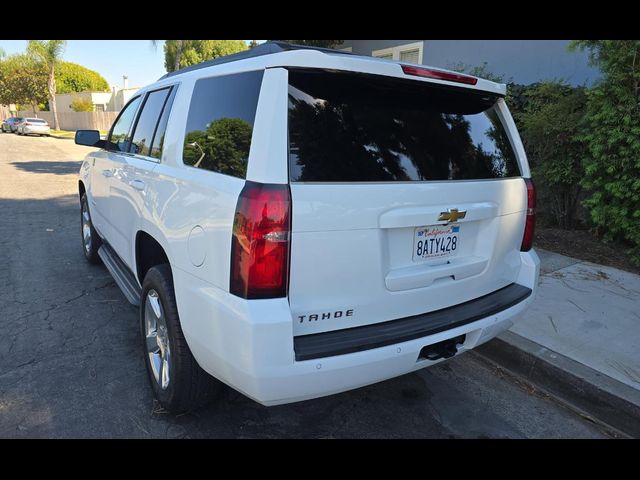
(121,274)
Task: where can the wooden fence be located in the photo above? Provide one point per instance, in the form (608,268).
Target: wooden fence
(76,120)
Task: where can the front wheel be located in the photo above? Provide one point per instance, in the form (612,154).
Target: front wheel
(178,382)
(91,242)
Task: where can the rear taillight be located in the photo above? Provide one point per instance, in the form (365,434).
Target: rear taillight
(530,222)
(438,74)
(27,124)
(260,241)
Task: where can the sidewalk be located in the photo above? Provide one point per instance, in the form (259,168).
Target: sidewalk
(580,339)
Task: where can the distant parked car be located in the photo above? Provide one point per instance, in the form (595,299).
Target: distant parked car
(36,126)
(10,124)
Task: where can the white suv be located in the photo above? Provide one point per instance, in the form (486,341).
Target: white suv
(297,222)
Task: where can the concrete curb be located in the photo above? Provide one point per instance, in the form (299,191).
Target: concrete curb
(606,399)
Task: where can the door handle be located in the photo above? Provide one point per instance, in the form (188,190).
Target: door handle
(107,173)
(137,184)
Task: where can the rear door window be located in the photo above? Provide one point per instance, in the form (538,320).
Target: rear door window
(158,137)
(347,127)
(148,120)
(220,123)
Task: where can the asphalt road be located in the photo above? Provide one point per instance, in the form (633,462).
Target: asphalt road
(71,362)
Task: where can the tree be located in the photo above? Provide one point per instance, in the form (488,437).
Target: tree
(177,55)
(81,105)
(315,43)
(612,167)
(182,53)
(223,147)
(49,52)
(71,77)
(22,81)
(550,127)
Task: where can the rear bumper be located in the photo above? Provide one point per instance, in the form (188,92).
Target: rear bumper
(250,344)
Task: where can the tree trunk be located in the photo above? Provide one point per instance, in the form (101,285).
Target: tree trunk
(178,55)
(52,97)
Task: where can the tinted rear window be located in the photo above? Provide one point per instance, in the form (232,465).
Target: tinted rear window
(220,123)
(346,127)
(36,120)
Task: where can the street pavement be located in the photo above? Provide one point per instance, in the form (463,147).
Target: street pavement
(71,361)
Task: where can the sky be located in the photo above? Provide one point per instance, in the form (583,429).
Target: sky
(137,59)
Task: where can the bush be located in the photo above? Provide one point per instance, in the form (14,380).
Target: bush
(81,105)
(550,124)
(612,166)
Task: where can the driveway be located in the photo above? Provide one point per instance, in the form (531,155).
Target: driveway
(71,362)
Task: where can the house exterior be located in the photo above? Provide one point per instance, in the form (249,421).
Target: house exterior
(100,100)
(112,101)
(119,98)
(520,61)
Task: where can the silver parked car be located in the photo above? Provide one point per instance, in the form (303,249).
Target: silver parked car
(36,126)
(10,125)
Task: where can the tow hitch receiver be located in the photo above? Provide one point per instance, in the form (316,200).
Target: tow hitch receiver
(445,349)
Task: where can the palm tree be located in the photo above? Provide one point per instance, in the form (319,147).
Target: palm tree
(49,52)
(179,47)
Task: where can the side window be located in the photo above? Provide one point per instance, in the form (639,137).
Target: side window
(119,137)
(220,123)
(148,121)
(158,137)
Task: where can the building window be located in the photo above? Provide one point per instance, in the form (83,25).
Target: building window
(410,53)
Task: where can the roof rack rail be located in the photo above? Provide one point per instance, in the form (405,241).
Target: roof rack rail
(266,48)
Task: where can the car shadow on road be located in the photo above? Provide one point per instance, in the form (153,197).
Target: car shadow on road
(45,166)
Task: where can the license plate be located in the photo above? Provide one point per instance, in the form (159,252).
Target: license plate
(435,241)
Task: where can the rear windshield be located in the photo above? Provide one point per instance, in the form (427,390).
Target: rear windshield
(347,127)
(35,120)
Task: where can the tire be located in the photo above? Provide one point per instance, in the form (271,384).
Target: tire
(91,247)
(187,385)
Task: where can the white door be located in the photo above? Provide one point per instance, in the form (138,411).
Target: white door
(110,170)
(133,169)
(407,198)
(99,192)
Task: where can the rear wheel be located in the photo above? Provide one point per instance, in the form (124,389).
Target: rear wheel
(178,382)
(91,242)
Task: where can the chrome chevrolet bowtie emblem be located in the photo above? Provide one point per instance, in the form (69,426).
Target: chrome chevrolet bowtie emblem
(452,215)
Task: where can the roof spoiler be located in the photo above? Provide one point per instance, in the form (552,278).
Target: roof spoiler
(266,48)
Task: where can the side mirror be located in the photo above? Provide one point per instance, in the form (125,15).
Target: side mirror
(90,138)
